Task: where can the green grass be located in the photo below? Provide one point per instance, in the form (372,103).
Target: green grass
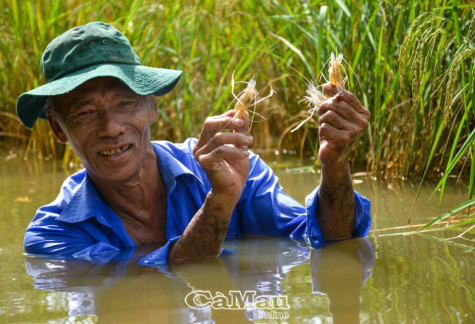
(412,63)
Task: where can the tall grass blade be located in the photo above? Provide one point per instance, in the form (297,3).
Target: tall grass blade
(451,212)
(466,145)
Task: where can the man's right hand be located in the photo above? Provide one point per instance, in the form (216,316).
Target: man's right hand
(224,156)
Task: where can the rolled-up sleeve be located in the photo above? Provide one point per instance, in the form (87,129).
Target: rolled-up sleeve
(160,255)
(362,218)
(267,209)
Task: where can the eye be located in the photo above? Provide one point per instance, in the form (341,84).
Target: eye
(80,117)
(125,104)
(84,112)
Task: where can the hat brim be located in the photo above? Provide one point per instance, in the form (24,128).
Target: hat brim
(143,80)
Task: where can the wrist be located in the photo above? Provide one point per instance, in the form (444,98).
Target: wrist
(221,203)
(335,174)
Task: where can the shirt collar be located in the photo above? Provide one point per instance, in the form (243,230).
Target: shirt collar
(170,166)
(85,203)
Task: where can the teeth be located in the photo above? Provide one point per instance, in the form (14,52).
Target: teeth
(112,152)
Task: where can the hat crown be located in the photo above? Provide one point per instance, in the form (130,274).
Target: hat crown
(83,46)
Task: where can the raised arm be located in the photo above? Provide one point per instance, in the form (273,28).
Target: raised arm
(342,121)
(224,156)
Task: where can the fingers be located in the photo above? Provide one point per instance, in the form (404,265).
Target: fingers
(344,95)
(216,160)
(342,120)
(237,139)
(224,155)
(331,117)
(227,120)
(217,149)
(334,107)
(342,116)
(332,90)
(217,124)
(338,139)
(343,111)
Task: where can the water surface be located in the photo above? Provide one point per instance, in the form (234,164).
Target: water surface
(392,276)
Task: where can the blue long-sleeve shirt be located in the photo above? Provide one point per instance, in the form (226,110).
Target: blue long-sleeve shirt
(80,224)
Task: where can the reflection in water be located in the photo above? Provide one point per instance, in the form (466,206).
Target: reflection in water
(121,291)
(421,278)
(338,271)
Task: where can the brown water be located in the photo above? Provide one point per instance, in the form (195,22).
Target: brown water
(387,278)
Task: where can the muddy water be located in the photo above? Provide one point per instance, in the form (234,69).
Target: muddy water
(391,276)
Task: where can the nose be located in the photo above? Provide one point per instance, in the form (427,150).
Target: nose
(110,124)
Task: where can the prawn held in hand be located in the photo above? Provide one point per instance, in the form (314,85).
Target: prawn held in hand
(315,97)
(336,78)
(245,99)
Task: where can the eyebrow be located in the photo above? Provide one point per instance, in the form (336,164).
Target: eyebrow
(78,104)
(125,94)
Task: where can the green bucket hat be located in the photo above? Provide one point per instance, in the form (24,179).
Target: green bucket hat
(86,52)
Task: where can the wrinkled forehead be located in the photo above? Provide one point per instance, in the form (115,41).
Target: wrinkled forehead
(104,86)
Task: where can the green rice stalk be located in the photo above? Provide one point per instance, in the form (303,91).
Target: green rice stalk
(451,212)
(460,56)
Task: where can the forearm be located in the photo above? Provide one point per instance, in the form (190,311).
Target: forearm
(204,236)
(336,204)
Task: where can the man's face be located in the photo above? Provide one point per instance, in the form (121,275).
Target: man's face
(107,125)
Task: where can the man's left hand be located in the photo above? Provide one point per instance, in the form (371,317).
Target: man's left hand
(342,121)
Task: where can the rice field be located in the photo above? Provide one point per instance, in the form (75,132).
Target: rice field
(411,63)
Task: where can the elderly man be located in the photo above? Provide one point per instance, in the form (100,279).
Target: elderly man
(184,199)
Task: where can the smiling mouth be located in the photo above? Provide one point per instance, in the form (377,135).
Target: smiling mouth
(116,151)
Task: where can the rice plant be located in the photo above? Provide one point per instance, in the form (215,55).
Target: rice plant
(411,63)
(441,75)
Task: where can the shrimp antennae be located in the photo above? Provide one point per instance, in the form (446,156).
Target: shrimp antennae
(247,96)
(316,97)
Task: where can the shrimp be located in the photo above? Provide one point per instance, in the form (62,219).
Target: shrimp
(315,97)
(336,78)
(246,97)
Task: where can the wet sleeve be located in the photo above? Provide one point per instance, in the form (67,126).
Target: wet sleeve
(267,209)
(264,206)
(50,238)
(159,257)
(362,218)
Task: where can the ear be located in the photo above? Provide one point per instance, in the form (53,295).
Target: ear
(56,127)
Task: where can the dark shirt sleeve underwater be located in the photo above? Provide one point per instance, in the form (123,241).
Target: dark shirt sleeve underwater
(79,224)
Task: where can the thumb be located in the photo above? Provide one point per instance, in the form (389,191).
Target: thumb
(331,90)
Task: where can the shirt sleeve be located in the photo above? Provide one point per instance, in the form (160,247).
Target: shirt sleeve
(159,257)
(267,209)
(264,208)
(63,228)
(50,238)
(362,218)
